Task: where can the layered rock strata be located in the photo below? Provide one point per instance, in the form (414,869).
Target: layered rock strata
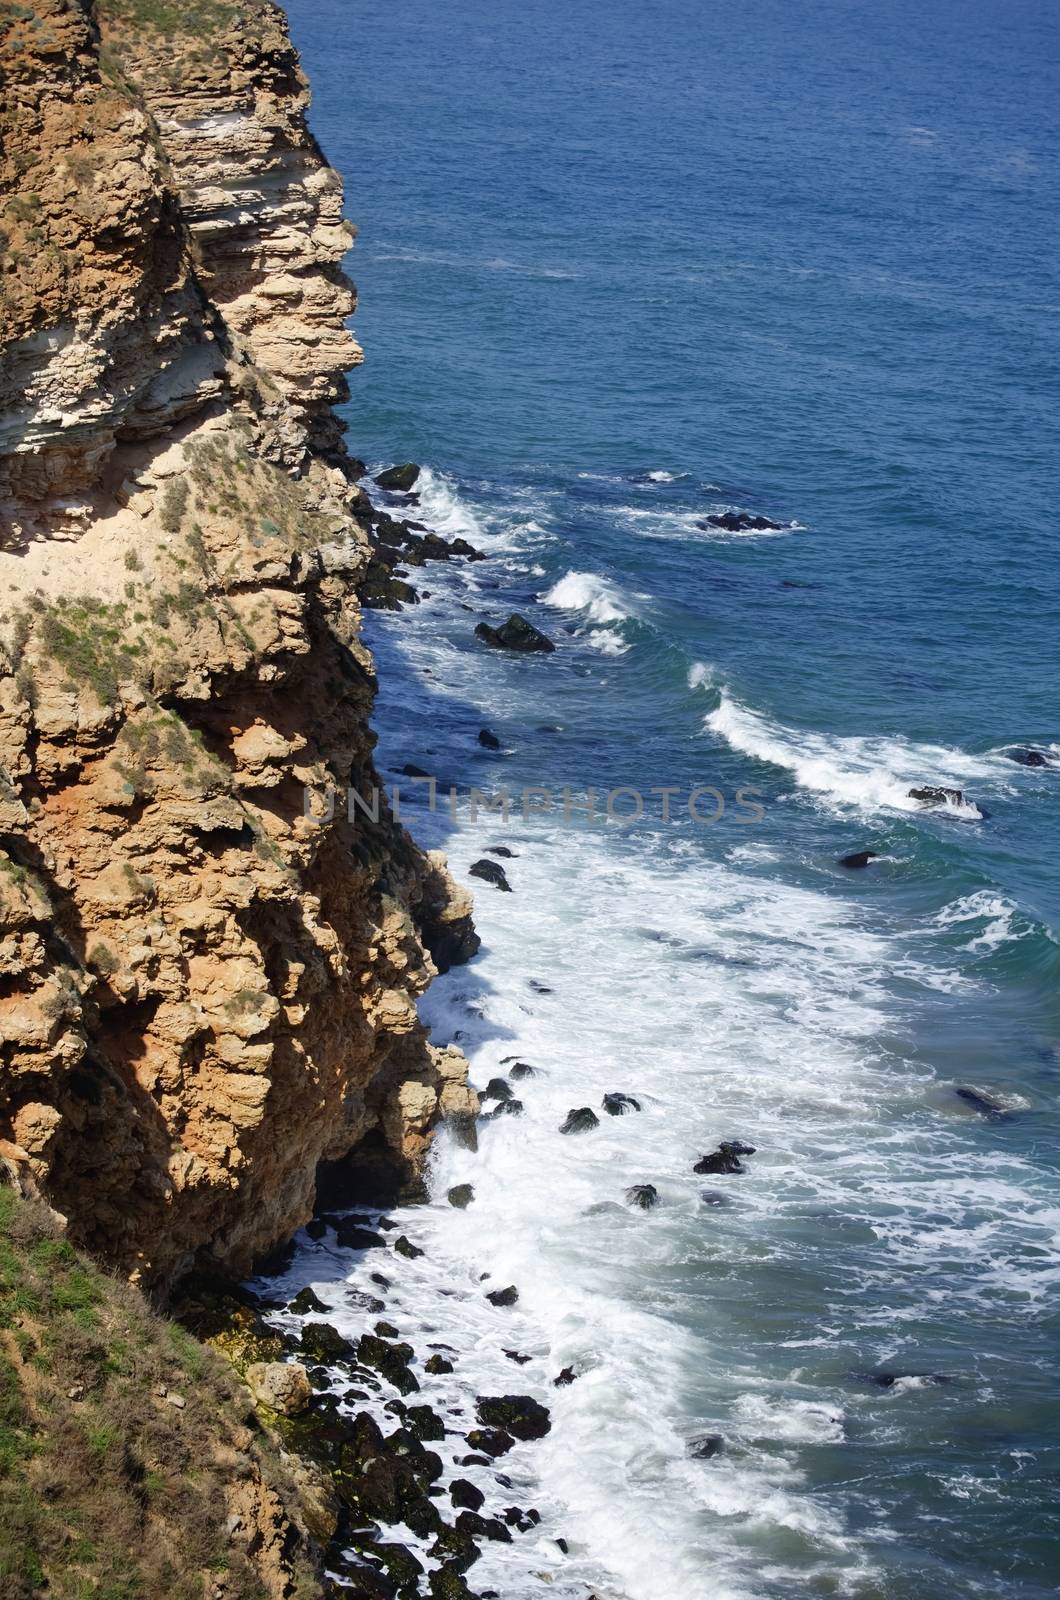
(208,973)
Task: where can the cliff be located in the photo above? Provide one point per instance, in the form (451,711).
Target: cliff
(204,993)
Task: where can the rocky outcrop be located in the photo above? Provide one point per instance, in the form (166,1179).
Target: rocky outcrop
(208,965)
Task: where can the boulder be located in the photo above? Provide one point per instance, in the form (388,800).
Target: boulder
(523,1069)
(566,1377)
(282,1386)
(447,1583)
(616,1105)
(477,1527)
(490,872)
(464,1494)
(515,634)
(353,1237)
(492,1442)
(500,850)
(488,740)
(644,1195)
(497,1089)
(400,478)
(461,1195)
(580,1120)
(406,1248)
(305,1301)
(725,1159)
(324,1343)
(518,1414)
(858,858)
(391,1360)
(506,1108)
(437,1366)
(503,1297)
(1029,757)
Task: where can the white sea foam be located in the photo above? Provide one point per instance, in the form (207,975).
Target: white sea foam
(998,916)
(701,675)
(870,774)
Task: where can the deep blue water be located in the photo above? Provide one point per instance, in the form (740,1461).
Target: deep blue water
(801,260)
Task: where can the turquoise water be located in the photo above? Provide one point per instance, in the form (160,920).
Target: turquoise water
(621,266)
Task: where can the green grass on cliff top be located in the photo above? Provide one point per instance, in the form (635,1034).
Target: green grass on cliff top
(108,1489)
(197,18)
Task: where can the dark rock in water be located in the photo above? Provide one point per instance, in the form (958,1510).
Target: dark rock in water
(488,740)
(399,1562)
(516,1517)
(405,1247)
(462,1126)
(539,987)
(352,1237)
(738,522)
(938,795)
(725,1159)
(616,1105)
(316,1228)
(424,1423)
(714,1197)
(711,1444)
(400,478)
(497,1089)
(483,1527)
(566,1377)
(523,1069)
(858,858)
(324,1343)
(409,771)
(447,1583)
(437,1366)
(490,872)
(503,1297)
(1029,757)
(385,1330)
(391,1360)
(515,634)
(474,1461)
(456,1547)
(518,1414)
(887,1380)
(563,1545)
(581,1120)
(461,1195)
(364,1302)
(500,850)
(981,1102)
(464,1494)
(520,1361)
(491,1441)
(304,1301)
(506,1108)
(644,1195)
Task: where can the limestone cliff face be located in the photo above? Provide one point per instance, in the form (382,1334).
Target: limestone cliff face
(204,992)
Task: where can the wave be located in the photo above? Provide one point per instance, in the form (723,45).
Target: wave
(869,773)
(996,913)
(600,602)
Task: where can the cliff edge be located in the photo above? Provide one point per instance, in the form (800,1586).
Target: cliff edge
(204,992)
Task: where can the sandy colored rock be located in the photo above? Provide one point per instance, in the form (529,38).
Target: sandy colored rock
(281,1385)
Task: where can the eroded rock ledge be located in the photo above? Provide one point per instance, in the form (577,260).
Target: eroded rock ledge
(204,993)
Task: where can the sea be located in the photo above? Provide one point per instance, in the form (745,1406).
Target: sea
(624,267)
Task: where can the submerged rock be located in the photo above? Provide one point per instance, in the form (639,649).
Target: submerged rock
(739,522)
(938,795)
(523,1069)
(488,739)
(500,850)
(581,1120)
(644,1195)
(400,478)
(490,872)
(887,1380)
(704,1449)
(351,1236)
(1030,757)
(981,1102)
(518,1414)
(520,1360)
(616,1105)
(515,634)
(858,858)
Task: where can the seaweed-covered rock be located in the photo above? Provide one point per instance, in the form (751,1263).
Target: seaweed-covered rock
(323,1342)
(447,1583)
(643,1195)
(437,1365)
(405,1247)
(456,1547)
(518,1414)
(391,1360)
(424,1422)
(306,1301)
